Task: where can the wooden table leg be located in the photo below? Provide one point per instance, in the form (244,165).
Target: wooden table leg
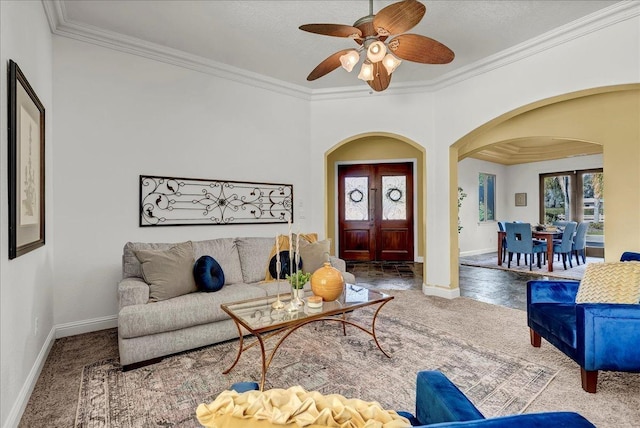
(550,252)
(500,235)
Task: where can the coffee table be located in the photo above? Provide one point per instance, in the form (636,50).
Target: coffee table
(257,317)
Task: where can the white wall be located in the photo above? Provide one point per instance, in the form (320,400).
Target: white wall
(119,116)
(478,238)
(26,282)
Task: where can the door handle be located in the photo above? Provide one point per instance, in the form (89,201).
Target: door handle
(372,200)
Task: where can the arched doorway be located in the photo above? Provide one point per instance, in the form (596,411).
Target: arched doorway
(606,116)
(374,148)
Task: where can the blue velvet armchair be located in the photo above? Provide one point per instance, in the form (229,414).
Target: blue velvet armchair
(597,336)
(439,403)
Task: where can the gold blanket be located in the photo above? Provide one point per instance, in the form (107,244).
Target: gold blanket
(295,407)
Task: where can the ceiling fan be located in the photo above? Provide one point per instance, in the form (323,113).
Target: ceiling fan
(382,37)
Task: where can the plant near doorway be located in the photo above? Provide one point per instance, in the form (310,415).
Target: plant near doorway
(461,196)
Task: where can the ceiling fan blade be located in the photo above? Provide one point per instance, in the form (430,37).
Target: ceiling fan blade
(327,66)
(335,30)
(398,17)
(417,48)
(381,78)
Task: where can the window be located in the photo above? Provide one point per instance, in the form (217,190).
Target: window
(487,197)
(575,196)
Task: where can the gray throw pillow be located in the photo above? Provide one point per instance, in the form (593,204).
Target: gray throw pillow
(169,273)
(314,254)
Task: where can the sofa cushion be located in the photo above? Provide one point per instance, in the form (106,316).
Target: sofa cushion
(130,264)
(225,251)
(181,312)
(283,243)
(613,282)
(254,257)
(208,274)
(314,254)
(285,265)
(168,272)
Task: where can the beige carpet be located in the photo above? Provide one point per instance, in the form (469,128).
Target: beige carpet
(319,358)
(490,260)
(499,329)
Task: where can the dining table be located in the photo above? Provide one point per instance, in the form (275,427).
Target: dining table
(537,234)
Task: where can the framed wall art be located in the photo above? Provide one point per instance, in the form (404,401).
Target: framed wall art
(521,199)
(172,201)
(26,165)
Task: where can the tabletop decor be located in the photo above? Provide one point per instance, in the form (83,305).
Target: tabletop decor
(25,165)
(297,281)
(327,282)
(278,303)
(172,201)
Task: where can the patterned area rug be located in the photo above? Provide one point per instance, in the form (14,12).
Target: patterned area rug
(490,260)
(317,357)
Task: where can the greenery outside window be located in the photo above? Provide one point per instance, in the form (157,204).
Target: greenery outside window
(575,196)
(487,197)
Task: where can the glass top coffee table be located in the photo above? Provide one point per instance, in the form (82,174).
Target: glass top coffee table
(257,317)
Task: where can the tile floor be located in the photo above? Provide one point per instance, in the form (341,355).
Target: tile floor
(493,286)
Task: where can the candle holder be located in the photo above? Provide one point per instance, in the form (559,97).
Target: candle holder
(278,304)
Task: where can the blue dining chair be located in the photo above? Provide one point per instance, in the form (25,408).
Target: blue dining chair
(563,246)
(580,242)
(504,240)
(520,241)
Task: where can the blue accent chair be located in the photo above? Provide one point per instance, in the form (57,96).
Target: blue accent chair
(580,242)
(597,336)
(520,241)
(439,403)
(563,246)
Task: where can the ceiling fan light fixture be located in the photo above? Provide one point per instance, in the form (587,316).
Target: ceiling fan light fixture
(366,72)
(349,60)
(390,62)
(376,51)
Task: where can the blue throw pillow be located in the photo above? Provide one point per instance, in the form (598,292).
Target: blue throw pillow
(208,274)
(284,265)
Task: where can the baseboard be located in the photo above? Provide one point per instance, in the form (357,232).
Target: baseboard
(60,330)
(477,252)
(27,388)
(86,326)
(447,293)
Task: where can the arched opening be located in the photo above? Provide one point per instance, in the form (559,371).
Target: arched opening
(606,116)
(377,147)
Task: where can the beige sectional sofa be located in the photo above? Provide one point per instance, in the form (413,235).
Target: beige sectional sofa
(148,330)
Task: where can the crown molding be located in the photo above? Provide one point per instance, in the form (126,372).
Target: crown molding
(54,9)
(588,24)
(56,16)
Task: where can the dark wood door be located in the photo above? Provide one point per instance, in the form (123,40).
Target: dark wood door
(375,215)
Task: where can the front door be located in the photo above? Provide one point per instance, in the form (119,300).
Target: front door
(375,215)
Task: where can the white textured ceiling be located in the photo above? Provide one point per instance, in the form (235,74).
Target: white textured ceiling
(262,36)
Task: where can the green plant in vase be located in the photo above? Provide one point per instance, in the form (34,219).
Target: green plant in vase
(297,281)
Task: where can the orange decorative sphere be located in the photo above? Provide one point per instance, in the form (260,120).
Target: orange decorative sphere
(327,282)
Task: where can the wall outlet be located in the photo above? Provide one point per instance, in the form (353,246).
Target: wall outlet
(35,329)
